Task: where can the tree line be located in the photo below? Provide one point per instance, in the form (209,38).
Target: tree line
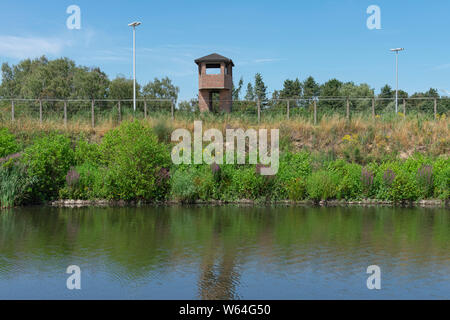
(310,89)
(42,78)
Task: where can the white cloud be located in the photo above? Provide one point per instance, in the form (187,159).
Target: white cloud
(29,47)
(442,67)
(265,60)
(108,55)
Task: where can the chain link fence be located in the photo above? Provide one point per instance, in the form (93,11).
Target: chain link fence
(96,111)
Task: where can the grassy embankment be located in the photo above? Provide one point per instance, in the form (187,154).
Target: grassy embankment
(394,158)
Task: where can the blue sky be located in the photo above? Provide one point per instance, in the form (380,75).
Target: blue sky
(280,39)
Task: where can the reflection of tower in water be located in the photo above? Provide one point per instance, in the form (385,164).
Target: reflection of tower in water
(218,277)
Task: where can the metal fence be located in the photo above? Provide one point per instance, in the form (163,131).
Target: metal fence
(81,110)
(95,111)
(314,109)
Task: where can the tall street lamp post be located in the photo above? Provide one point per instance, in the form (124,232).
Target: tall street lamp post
(134,25)
(397,50)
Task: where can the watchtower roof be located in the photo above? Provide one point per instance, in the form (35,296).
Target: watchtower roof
(214,58)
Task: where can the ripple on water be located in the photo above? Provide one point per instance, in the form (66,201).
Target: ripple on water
(227,253)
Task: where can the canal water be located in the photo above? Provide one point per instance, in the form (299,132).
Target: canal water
(225,253)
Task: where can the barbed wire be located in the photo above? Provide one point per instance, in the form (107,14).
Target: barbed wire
(323,98)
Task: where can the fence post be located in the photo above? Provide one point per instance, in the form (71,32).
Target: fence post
(435,108)
(258,103)
(373,108)
(145,108)
(315,112)
(40,111)
(65,113)
(12,110)
(172,109)
(288,109)
(348,108)
(92,114)
(120,111)
(404,107)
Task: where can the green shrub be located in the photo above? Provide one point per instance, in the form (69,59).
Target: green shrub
(296,189)
(322,185)
(163,131)
(294,165)
(294,168)
(367,181)
(414,163)
(8,143)
(15,185)
(384,178)
(223,181)
(441,174)
(137,163)
(244,183)
(86,151)
(247,183)
(425,181)
(404,187)
(350,184)
(48,160)
(182,187)
(90,184)
(398,180)
(204,182)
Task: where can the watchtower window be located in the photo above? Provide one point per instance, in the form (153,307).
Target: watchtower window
(213,69)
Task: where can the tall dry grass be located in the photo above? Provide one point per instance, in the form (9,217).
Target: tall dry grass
(389,135)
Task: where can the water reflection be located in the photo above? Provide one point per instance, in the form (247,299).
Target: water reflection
(225,252)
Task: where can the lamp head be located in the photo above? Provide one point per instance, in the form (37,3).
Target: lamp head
(134,24)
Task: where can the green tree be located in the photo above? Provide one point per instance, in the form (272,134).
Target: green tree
(9,87)
(363,90)
(137,164)
(350,89)
(386,92)
(422,101)
(58,76)
(250,94)
(122,88)
(48,160)
(291,89)
(276,95)
(31,76)
(39,78)
(236,91)
(161,89)
(90,83)
(260,89)
(331,89)
(311,88)
(33,86)
(188,106)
